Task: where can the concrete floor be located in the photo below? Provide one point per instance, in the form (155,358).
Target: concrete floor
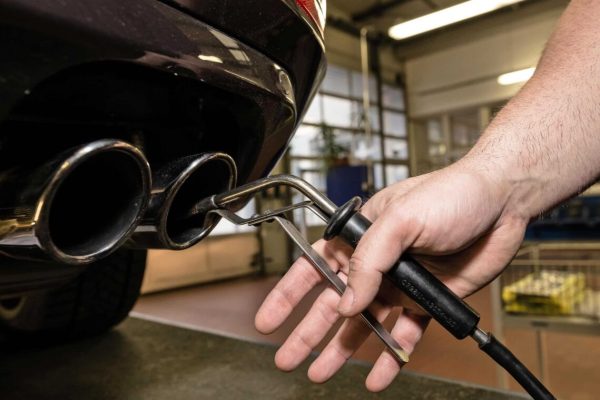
(150,361)
(228,308)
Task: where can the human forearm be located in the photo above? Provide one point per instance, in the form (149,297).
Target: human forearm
(544,146)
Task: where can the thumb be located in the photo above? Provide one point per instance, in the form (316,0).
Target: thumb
(379,248)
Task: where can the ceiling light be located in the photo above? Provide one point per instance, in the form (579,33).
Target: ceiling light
(519,76)
(447,16)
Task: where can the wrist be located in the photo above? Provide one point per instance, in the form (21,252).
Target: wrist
(515,192)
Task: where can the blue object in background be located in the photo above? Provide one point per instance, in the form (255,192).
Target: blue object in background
(576,219)
(345,182)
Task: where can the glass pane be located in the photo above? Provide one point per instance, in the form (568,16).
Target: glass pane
(336,81)
(357,86)
(359,120)
(338,112)
(344,139)
(304,168)
(315,178)
(393,97)
(437,149)
(339,146)
(396,149)
(305,217)
(465,128)
(365,149)
(394,123)
(395,173)
(374,115)
(313,114)
(313,171)
(378,176)
(434,130)
(306,141)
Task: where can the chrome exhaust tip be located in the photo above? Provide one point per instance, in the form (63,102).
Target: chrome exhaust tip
(177,188)
(78,207)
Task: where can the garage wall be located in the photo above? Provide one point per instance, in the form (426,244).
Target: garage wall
(460,70)
(215,258)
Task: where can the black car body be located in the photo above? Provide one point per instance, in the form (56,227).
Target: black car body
(174,78)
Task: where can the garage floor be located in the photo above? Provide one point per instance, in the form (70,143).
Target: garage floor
(146,360)
(228,308)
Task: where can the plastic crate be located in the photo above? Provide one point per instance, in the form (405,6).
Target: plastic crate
(553,279)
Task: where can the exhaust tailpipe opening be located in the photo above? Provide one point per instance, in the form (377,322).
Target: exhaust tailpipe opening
(212,177)
(97,204)
(76,208)
(178,187)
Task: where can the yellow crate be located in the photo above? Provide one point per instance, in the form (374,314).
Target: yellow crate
(545,292)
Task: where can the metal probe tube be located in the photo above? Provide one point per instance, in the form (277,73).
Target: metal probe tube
(241,192)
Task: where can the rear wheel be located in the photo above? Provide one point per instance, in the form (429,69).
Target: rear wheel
(97,299)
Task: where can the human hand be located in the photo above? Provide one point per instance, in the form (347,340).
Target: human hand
(454,221)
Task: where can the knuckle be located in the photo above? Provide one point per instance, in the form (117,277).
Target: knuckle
(425,238)
(341,353)
(306,341)
(328,314)
(412,219)
(356,264)
(412,226)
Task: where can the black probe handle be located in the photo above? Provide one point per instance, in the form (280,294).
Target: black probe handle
(434,297)
(409,276)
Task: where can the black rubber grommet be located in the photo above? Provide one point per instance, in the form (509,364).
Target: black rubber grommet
(339,219)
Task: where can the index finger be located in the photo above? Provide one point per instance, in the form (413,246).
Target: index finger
(301,278)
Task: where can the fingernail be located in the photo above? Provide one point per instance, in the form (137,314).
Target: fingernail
(346,301)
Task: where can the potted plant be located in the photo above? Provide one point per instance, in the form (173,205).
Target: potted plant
(334,154)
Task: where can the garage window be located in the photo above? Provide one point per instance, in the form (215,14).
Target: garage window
(338,106)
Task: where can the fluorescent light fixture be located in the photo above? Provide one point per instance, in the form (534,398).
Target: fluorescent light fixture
(447,16)
(519,76)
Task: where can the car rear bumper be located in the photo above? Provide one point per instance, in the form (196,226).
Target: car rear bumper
(47,41)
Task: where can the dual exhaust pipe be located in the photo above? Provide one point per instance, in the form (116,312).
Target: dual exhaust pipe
(88,201)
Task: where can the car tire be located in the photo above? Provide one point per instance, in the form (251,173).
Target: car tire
(96,300)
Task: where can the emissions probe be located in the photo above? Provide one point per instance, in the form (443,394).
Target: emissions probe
(456,316)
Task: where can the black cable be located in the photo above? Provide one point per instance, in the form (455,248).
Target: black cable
(499,353)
